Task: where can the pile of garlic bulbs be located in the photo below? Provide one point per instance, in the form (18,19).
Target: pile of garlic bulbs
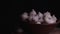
(39,18)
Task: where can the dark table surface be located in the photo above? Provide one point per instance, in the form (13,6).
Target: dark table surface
(55,31)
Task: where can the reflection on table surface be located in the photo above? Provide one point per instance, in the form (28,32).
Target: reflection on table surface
(55,31)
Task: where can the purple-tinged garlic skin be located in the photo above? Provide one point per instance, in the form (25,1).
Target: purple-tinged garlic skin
(33,13)
(48,18)
(40,15)
(25,16)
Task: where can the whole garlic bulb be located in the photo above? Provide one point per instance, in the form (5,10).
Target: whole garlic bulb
(33,13)
(48,18)
(25,16)
(40,15)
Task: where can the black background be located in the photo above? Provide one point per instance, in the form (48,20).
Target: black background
(39,5)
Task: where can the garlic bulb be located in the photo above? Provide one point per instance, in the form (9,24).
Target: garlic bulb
(48,15)
(48,18)
(33,13)
(40,14)
(25,16)
(40,17)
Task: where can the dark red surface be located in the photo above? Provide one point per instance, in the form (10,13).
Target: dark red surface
(41,29)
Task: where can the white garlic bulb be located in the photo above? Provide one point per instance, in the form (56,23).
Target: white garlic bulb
(48,18)
(33,13)
(47,14)
(40,17)
(25,16)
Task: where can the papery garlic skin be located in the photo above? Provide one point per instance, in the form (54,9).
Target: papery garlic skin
(40,17)
(25,16)
(33,13)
